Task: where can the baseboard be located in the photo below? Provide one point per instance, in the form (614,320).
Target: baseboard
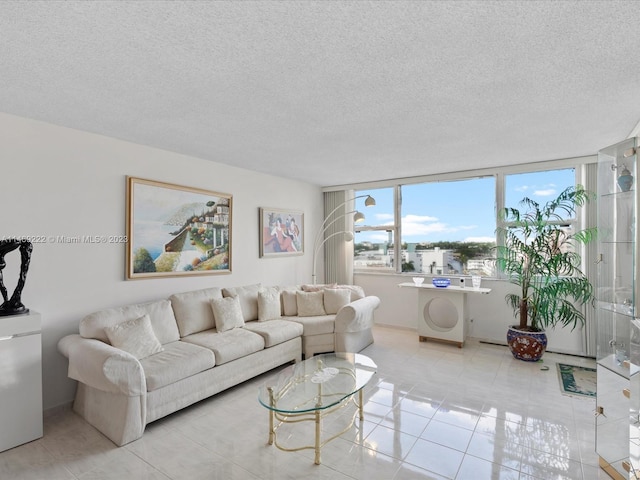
(559,352)
(395,327)
(57,410)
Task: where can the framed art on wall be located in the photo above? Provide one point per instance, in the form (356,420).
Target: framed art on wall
(174,230)
(281,232)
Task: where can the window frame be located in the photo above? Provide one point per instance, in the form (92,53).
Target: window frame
(500,173)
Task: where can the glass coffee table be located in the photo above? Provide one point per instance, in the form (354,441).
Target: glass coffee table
(314,388)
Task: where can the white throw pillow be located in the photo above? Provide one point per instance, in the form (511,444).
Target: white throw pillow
(310,304)
(289,303)
(248,296)
(357,292)
(135,337)
(335,299)
(268,304)
(227,313)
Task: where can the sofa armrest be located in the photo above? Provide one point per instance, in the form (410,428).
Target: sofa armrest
(102,366)
(357,315)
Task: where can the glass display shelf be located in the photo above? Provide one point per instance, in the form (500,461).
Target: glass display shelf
(620,308)
(623,368)
(617,328)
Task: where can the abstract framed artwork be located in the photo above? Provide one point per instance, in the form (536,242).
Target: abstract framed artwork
(174,230)
(281,232)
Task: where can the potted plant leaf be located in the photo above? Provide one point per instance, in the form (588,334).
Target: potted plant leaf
(539,254)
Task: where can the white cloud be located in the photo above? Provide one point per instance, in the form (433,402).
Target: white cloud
(423,225)
(413,228)
(419,218)
(545,193)
(545,190)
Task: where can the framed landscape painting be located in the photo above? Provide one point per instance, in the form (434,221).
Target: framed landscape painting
(281,232)
(176,231)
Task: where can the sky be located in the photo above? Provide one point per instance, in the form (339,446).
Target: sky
(458,210)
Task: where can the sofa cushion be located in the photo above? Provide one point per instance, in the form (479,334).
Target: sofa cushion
(248,296)
(335,299)
(227,313)
(275,331)
(310,304)
(269,304)
(319,287)
(135,337)
(315,325)
(289,303)
(357,292)
(229,345)
(193,310)
(178,360)
(160,313)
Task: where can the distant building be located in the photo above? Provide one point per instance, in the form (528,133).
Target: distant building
(435,261)
(373,259)
(484,266)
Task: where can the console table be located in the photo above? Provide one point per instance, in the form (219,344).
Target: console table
(442,312)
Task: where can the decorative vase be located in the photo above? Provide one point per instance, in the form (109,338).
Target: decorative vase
(625,180)
(526,345)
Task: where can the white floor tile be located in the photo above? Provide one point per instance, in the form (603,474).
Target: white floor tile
(433,412)
(435,458)
(405,422)
(496,448)
(447,435)
(388,441)
(473,468)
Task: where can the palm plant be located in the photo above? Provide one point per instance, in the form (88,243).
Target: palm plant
(539,256)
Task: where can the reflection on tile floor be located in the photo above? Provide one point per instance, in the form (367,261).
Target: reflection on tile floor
(434,411)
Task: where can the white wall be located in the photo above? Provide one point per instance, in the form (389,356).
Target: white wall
(58,181)
(489,313)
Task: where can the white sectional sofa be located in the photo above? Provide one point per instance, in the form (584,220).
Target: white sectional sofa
(138,363)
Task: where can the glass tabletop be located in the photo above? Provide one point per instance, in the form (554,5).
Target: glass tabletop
(317,383)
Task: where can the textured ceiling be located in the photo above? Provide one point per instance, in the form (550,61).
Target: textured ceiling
(331,92)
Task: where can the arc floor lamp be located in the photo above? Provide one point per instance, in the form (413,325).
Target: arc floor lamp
(329,220)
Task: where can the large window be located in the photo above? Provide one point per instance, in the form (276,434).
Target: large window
(446,227)
(542,187)
(449,227)
(374,238)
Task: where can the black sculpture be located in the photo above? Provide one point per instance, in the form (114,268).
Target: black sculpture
(13,305)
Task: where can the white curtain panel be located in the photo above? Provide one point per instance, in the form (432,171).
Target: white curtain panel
(338,254)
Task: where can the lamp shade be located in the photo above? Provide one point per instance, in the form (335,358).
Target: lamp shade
(370,201)
(358,217)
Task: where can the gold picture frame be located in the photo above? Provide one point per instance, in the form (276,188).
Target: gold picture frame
(175,231)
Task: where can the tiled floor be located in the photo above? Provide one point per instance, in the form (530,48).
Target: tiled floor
(433,412)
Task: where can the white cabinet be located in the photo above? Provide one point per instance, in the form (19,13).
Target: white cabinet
(20,379)
(612,423)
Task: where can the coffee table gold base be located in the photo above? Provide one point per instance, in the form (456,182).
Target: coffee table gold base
(277,419)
